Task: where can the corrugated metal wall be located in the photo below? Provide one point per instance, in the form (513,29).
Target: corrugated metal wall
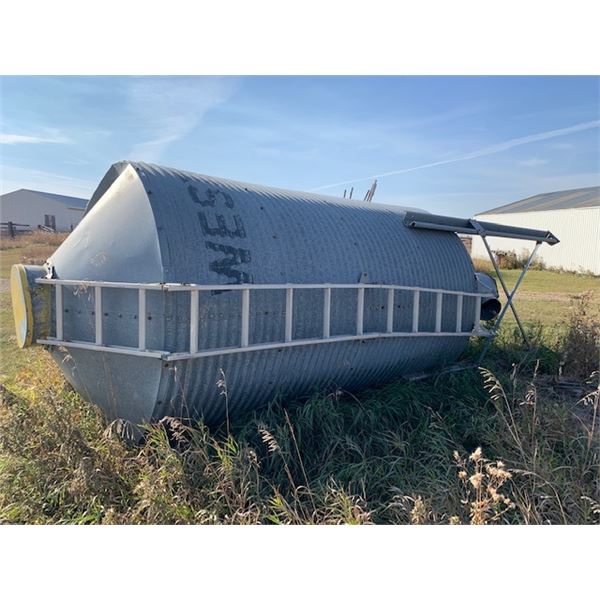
(578,230)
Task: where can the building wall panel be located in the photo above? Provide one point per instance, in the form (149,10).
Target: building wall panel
(29,209)
(578,230)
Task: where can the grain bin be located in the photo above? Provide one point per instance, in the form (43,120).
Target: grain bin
(175,280)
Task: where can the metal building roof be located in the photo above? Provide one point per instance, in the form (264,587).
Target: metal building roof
(69,201)
(579,198)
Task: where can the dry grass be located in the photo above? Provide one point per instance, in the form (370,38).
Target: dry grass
(27,248)
(24,240)
(581,352)
(507,260)
(483,481)
(482,265)
(511,261)
(508,444)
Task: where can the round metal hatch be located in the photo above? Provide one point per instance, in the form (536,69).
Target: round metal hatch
(22,308)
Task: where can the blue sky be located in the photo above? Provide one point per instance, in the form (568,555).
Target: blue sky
(452,145)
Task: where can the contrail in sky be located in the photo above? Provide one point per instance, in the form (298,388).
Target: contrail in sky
(520,141)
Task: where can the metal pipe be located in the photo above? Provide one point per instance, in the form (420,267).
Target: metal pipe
(475,227)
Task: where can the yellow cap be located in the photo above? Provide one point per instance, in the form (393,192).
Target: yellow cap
(22,309)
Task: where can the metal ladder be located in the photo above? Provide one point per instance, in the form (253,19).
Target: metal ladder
(246,290)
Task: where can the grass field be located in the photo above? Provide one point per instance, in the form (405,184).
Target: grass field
(546,296)
(514,442)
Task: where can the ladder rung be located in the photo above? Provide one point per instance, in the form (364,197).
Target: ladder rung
(390,311)
(98,314)
(415,315)
(326,312)
(459,309)
(289,313)
(142,319)
(360,310)
(438,311)
(459,301)
(245,318)
(477,315)
(59,311)
(194,317)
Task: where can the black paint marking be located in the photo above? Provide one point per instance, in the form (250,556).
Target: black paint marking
(212,195)
(233,256)
(221,229)
(224,266)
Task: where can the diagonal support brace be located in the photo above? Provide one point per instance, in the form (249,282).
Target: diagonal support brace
(509,295)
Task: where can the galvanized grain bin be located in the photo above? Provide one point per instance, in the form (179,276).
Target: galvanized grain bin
(172,278)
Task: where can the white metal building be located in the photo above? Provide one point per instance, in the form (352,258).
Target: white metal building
(571,215)
(34,208)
